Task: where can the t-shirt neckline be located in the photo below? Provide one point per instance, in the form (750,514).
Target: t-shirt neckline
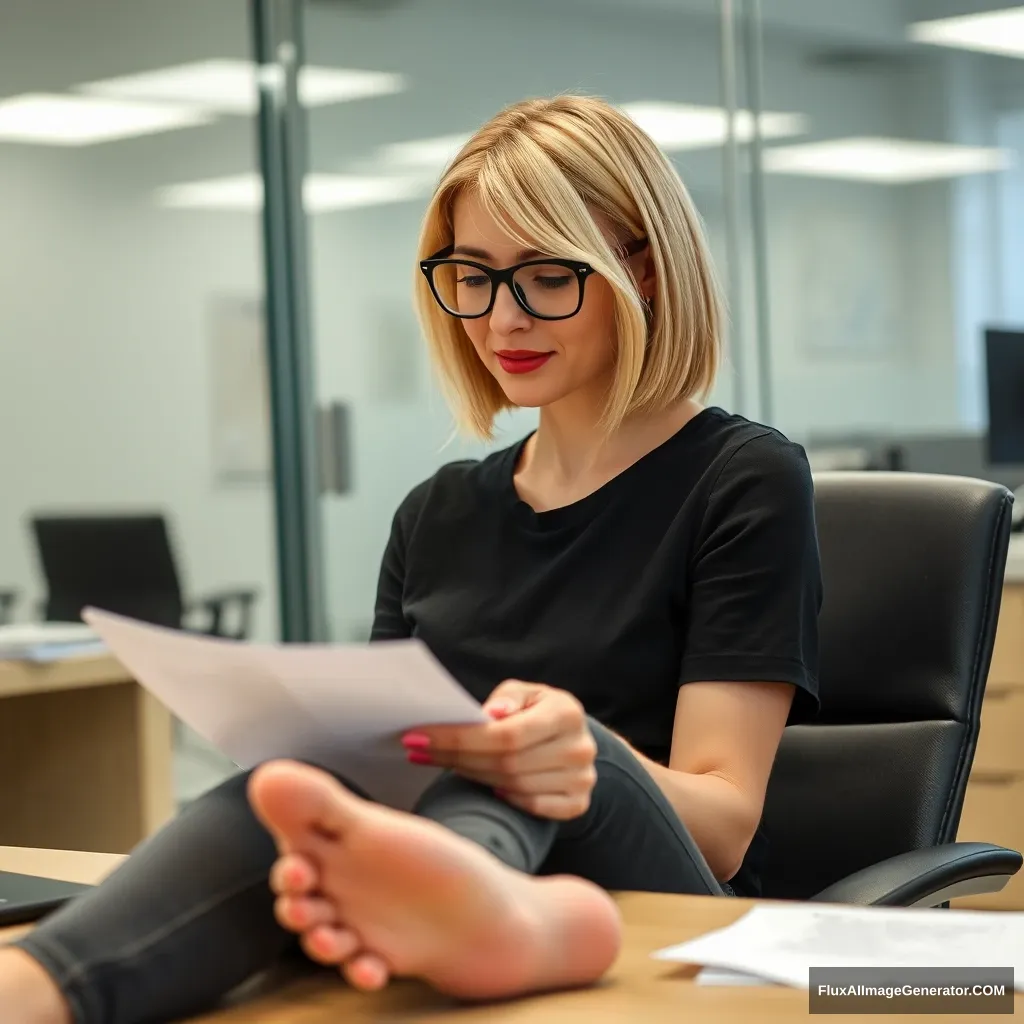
(584,508)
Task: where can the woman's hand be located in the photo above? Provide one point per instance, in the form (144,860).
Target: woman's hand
(537,753)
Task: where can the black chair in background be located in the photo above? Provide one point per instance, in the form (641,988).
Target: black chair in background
(8,599)
(863,806)
(125,564)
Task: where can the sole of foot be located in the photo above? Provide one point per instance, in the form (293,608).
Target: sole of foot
(416,900)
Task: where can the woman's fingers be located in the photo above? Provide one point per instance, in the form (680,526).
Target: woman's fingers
(552,714)
(510,697)
(543,757)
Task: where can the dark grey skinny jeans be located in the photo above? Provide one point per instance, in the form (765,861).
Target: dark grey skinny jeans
(188,917)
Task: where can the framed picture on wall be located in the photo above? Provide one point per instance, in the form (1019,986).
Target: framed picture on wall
(239,390)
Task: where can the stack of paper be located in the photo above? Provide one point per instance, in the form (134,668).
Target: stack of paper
(48,641)
(778,944)
(343,707)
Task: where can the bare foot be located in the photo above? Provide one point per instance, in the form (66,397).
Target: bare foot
(413,899)
(303,909)
(28,994)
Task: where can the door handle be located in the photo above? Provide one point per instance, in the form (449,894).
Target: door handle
(334,430)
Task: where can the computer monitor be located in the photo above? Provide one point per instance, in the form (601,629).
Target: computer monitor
(1004,362)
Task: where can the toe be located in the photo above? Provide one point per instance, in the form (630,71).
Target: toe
(366,972)
(294,875)
(330,945)
(302,913)
(299,803)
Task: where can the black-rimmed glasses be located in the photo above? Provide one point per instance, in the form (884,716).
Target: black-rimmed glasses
(548,289)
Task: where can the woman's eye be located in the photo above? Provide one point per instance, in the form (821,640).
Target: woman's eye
(552,282)
(473,281)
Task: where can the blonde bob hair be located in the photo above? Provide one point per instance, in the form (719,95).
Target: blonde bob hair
(542,166)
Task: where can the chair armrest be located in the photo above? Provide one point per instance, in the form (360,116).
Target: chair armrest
(215,606)
(8,598)
(928,877)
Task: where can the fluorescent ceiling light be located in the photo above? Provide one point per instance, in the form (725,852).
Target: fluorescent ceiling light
(885,161)
(671,125)
(321,192)
(80,121)
(432,154)
(231,86)
(990,32)
(675,126)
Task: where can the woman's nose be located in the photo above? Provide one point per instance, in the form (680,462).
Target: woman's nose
(506,314)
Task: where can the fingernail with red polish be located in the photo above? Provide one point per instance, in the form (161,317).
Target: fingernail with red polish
(501,794)
(415,757)
(415,741)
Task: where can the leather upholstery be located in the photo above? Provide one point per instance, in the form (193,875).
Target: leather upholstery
(913,568)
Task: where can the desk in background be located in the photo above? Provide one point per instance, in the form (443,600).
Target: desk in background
(994,804)
(85,756)
(637,987)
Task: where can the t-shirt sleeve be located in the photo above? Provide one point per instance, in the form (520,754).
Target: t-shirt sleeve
(389,622)
(753,593)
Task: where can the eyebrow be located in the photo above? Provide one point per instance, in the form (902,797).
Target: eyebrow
(483,254)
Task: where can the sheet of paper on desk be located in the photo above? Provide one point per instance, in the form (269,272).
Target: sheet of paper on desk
(780,943)
(47,641)
(344,707)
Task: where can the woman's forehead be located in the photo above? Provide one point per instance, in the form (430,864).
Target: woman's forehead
(474,224)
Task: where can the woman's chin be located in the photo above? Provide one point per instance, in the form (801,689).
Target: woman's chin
(531,394)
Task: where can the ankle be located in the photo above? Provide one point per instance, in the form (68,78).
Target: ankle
(27,992)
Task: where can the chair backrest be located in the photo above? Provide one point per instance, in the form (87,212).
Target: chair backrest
(913,571)
(120,563)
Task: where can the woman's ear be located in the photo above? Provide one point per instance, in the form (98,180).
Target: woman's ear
(646,279)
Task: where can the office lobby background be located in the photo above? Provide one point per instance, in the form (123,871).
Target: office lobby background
(859,167)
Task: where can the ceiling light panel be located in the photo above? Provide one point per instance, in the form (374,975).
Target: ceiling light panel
(883,160)
(53,120)
(999,32)
(232,87)
(321,192)
(680,126)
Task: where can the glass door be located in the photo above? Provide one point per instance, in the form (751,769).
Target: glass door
(389,91)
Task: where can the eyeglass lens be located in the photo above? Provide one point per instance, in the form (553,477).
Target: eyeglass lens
(543,288)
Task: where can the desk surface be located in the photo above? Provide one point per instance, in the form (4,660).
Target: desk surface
(1015,560)
(636,988)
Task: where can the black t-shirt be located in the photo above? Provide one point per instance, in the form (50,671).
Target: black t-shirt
(698,562)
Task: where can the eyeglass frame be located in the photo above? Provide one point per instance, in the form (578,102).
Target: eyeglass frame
(506,275)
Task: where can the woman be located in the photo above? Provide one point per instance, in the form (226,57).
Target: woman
(632,592)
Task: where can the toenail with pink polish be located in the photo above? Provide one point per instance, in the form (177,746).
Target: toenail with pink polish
(415,741)
(415,757)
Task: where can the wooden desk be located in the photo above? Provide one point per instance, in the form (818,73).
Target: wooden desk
(85,757)
(637,987)
(994,803)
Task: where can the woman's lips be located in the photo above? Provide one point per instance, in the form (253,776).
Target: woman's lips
(522,360)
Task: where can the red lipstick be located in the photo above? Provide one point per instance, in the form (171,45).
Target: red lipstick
(522,360)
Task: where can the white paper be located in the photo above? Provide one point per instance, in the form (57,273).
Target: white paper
(721,976)
(47,641)
(344,707)
(780,943)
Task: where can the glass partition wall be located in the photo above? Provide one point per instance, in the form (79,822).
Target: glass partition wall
(857,168)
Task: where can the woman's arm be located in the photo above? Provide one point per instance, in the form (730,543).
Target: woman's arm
(750,645)
(723,747)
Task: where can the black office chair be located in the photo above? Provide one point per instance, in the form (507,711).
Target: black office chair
(863,806)
(8,599)
(125,564)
